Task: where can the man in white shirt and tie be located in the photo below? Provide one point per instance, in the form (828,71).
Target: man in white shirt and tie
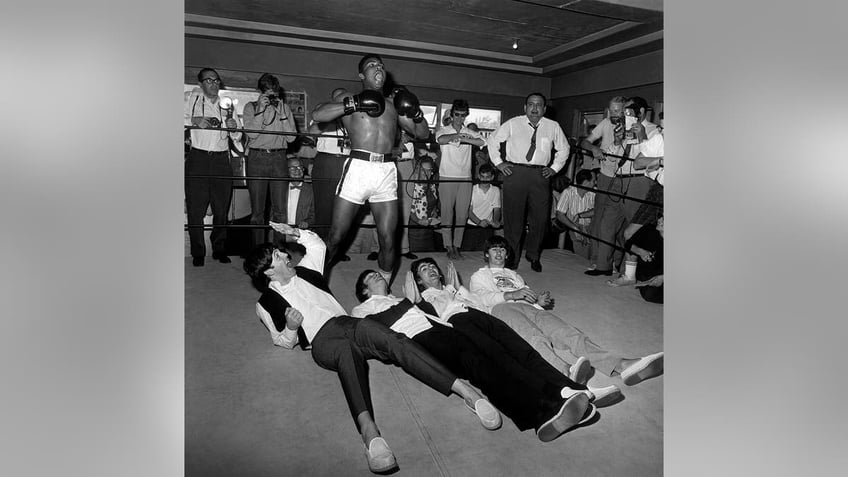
(527,170)
(298,307)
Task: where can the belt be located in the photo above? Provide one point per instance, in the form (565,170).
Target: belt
(630,175)
(371,156)
(403,160)
(535,166)
(268,151)
(339,154)
(208,152)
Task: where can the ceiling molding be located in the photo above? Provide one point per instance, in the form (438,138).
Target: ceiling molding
(586,39)
(322,35)
(658,35)
(349,48)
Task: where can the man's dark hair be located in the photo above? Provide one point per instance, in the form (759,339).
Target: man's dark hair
(206,70)
(268,81)
(486,168)
(496,241)
(583,175)
(418,263)
(544,99)
(360,287)
(636,103)
(257,262)
(260,258)
(367,57)
(459,105)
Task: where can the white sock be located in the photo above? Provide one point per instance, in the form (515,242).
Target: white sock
(630,270)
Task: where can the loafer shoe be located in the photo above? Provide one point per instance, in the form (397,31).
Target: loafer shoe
(570,414)
(345,258)
(605,396)
(372,256)
(646,368)
(221,257)
(489,417)
(579,371)
(596,273)
(198,261)
(381,460)
(535,265)
(621,281)
(410,256)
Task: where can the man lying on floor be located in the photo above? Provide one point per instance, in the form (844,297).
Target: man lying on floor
(297,307)
(508,298)
(529,398)
(464,311)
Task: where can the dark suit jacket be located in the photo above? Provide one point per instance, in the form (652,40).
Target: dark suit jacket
(305,206)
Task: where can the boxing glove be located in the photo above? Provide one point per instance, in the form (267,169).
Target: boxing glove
(407,105)
(368,101)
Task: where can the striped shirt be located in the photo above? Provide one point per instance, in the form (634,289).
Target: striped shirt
(570,203)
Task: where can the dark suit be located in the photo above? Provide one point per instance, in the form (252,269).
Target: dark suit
(305,206)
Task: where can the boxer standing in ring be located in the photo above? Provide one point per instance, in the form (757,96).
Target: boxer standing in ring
(369,173)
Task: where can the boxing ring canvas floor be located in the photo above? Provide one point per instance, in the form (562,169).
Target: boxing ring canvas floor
(253,409)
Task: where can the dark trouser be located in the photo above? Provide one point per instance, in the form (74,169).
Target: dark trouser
(265,164)
(326,172)
(616,213)
(610,220)
(519,392)
(200,193)
(482,327)
(652,294)
(526,189)
(344,344)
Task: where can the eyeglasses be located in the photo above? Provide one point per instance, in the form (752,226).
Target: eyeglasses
(211,80)
(296,167)
(460,115)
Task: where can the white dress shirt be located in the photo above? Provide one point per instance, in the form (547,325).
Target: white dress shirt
(517,133)
(412,322)
(316,305)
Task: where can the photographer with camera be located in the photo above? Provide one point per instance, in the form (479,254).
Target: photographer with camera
(620,134)
(267,154)
(209,156)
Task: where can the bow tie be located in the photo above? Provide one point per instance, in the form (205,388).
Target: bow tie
(295,187)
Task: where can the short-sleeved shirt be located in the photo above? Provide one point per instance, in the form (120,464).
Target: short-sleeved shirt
(484,203)
(570,203)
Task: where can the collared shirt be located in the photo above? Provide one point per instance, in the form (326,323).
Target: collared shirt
(412,322)
(330,145)
(198,105)
(610,167)
(570,203)
(316,305)
(277,119)
(449,301)
(655,147)
(291,204)
(456,155)
(517,133)
(484,203)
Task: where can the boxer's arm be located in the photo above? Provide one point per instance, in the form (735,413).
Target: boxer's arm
(327,112)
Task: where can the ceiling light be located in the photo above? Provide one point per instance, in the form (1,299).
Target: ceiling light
(515,44)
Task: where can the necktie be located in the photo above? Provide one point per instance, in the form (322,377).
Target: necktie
(295,187)
(532,149)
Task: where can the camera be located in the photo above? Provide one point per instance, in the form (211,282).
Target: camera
(215,122)
(274,99)
(616,120)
